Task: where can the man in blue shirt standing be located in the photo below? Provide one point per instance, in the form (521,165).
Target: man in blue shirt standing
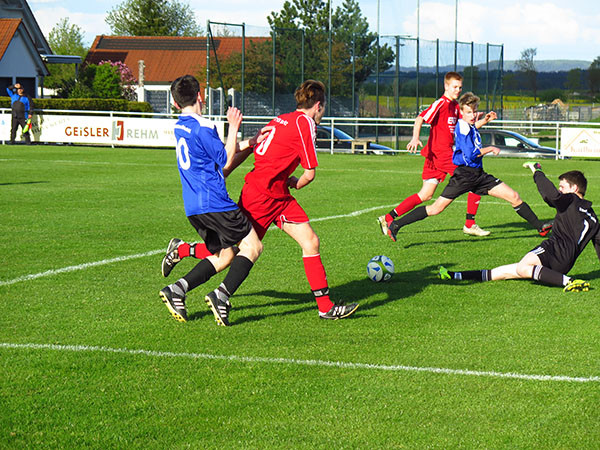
(201,159)
(469,176)
(21,111)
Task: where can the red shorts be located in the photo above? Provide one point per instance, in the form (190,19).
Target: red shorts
(263,210)
(437,168)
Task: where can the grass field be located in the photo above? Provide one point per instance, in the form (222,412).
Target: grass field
(90,357)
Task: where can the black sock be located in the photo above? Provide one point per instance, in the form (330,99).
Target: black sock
(201,273)
(526,213)
(415,215)
(238,271)
(548,276)
(474,275)
(393,214)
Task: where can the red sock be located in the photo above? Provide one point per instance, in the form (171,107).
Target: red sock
(198,251)
(407,204)
(317,279)
(472,206)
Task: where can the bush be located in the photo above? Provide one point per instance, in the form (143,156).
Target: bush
(549,95)
(87,104)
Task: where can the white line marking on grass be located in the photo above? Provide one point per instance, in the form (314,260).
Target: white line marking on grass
(48,273)
(301,362)
(154,252)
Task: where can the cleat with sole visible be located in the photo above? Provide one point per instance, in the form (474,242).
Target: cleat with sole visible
(174,303)
(220,306)
(475,230)
(386,227)
(443,274)
(339,311)
(577,286)
(171,257)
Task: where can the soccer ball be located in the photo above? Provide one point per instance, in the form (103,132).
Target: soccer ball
(380,268)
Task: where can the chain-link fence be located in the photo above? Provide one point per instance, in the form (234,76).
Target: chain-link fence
(366,76)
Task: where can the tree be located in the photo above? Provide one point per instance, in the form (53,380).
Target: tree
(526,65)
(153,18)
(594,76)
(64,39)
(573,82)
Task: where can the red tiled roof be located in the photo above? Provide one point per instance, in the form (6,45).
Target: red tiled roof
(8,28)
(165,57)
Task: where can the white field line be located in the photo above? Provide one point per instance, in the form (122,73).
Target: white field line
(51,272)
(48,273)
(302,362)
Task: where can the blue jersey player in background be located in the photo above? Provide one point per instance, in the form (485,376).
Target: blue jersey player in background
(469,176)
(201,159)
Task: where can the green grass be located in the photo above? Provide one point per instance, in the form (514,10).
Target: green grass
(123,374)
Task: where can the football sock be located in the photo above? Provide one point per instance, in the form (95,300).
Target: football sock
(180,287)
(472,206)
(415,215)
(407,204)
(198,250)
(526,213)
(473,275)
(201,273)
(317,279)
(548,276)
(238,271)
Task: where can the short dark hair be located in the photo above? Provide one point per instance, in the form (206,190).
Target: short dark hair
(309,93)
(575,177)
(185,90)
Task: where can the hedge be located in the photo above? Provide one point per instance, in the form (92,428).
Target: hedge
(87,104)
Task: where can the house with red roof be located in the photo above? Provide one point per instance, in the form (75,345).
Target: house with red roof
(156,61)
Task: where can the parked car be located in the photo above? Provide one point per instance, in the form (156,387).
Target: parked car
(513,144)
(343,141)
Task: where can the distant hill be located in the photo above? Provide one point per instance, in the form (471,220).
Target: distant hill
(552,65)
(547,65)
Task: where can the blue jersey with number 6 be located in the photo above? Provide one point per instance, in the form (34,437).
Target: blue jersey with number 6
(201,156)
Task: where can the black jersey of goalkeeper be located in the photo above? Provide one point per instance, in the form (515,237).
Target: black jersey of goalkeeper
(575,223)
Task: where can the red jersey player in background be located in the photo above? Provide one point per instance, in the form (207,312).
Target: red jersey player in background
(442,115)
(266,198)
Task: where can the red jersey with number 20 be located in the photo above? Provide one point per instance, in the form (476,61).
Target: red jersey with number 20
(289,143)
(442,115)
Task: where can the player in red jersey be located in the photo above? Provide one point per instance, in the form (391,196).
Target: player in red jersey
(266,197)
(442,115)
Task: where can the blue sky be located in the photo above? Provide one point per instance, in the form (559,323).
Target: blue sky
(557,29)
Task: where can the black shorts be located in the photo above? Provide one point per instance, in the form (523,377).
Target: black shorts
(221,230)
(550,257)
(469,179)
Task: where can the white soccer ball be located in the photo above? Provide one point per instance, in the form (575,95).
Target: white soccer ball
(380,268)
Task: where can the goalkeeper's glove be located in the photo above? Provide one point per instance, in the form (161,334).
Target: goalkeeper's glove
(533,166)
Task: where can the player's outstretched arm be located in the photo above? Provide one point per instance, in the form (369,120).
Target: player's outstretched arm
(486,119)
(415,142)
(234,118)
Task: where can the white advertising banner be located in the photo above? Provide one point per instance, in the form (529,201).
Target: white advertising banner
(99,130)
(580,142)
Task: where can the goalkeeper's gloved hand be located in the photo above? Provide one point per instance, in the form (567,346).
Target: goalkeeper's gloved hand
(533,166)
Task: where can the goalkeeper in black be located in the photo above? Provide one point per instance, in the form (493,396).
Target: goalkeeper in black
(575,225)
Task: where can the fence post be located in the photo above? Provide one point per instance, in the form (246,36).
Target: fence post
(332,131)
(557,131)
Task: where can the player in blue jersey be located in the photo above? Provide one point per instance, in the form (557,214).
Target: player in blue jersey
(469,175)
(201,159)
